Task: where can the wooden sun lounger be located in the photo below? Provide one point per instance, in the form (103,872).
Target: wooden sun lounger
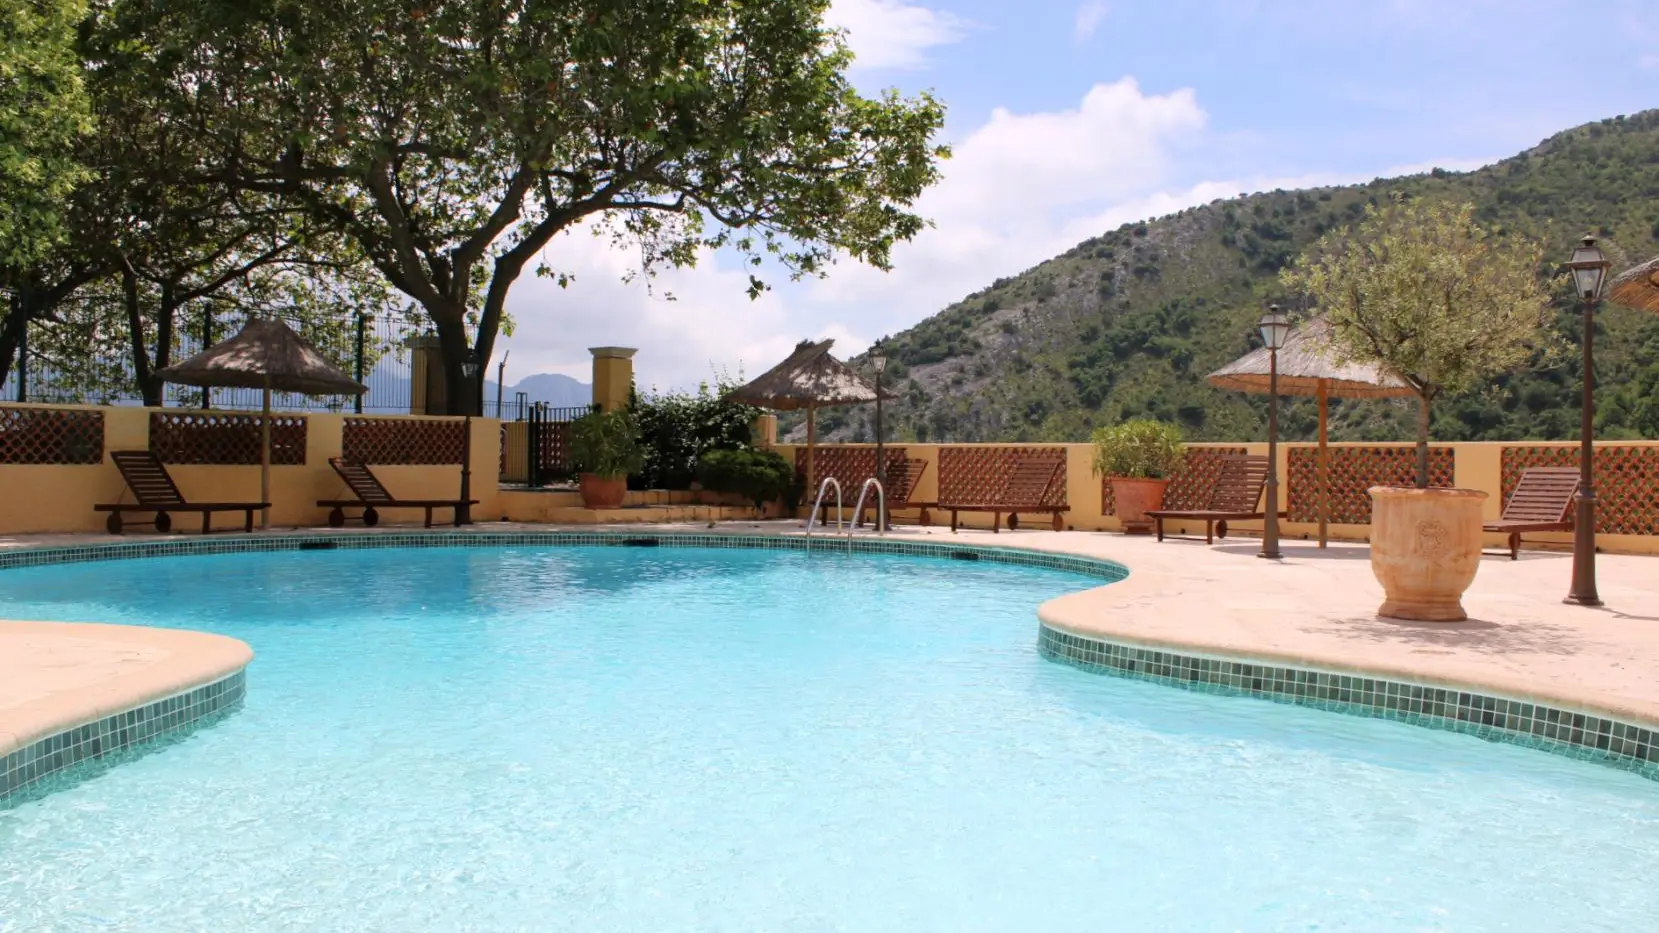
(372,496)
(1542,501)
(1233,498)
(153,489)
(902,479)
(1025,490)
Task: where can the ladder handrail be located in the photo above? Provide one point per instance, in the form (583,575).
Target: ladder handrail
(819,502)
(881,506)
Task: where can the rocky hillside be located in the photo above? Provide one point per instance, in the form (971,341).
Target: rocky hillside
(1129,323)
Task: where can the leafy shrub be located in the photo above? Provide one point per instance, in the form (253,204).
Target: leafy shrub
(1138,449)
(676,429)
(606,444)
(758,475)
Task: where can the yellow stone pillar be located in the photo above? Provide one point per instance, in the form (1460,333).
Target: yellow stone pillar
(613,376)
(426,376)
(763,431)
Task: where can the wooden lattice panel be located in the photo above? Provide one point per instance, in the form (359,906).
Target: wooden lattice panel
(51,435)
(1626,483)
(554,449)
(850,466)
(402,441)
(1353,471)
(1190,486)
(225,439)
(974,475)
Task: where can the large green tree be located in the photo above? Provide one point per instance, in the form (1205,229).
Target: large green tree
(1422,290)
(454,139)
(43,114)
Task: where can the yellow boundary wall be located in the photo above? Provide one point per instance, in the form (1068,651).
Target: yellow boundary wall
(59,497)
(1477,466)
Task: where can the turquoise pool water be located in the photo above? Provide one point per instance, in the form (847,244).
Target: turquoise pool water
(608,739)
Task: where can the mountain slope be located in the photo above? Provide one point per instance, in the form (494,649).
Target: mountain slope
(1129,323)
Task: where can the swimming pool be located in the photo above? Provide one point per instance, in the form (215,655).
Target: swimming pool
(607,739)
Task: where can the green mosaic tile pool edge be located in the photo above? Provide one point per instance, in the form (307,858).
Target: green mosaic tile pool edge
(31,557)
(23,770)
(1584,736)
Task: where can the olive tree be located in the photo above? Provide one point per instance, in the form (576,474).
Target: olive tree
(1422,291)
(454,139)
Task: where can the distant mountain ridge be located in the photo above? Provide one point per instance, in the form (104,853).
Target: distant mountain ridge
(1130,322)
(389,388)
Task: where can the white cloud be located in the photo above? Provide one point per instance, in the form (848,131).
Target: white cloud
(892,33)
(1089,17)
(1011,189)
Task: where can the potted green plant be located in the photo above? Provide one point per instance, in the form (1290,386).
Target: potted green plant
(606,448)
(1137,457)
(1421,290)
(761,476)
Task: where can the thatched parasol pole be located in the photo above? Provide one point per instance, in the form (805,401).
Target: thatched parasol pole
(811,449)
(1324,393)
(265,460)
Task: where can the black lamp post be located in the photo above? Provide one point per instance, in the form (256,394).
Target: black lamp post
(1275,328)
(878,359)
(1589,269)
(463,511)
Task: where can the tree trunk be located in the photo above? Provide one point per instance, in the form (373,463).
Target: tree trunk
(461,394)
(164,342)
(11,332)
(147,386)
(1422,442)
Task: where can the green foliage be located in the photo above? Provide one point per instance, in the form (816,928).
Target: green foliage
(455,141)
(761,476)
(44,112)
(1138,449)
(606,443)
(1422,291)
(676,429)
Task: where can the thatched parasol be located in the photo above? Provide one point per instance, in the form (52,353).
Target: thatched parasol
(268,355)
(1307,367)
(811,379)
(1637,288)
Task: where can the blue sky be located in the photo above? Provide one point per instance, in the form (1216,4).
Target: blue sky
(1069,118)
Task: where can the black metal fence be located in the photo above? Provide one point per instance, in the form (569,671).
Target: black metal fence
(535,449)
(374,350)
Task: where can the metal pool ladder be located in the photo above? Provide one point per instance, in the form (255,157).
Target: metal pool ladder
(881,508)
(818,504)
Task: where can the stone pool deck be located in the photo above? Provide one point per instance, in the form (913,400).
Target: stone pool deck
(1314,609)
(72,691)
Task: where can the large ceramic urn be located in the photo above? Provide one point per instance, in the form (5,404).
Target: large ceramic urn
(603,492)
(1133,498)
(1425,549)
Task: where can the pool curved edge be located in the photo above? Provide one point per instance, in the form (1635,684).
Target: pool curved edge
(1075,630)
(75,692)
(1082,629)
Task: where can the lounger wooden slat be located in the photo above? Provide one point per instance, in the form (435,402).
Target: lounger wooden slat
(1542,501)
(372,496)
(1026,489)
(903,477)
(154,492)
(1234,498)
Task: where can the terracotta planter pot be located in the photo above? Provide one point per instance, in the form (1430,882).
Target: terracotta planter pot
(603,492)
(1425,549)
(1133,498)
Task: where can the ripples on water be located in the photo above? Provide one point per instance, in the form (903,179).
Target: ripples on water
(625,740)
